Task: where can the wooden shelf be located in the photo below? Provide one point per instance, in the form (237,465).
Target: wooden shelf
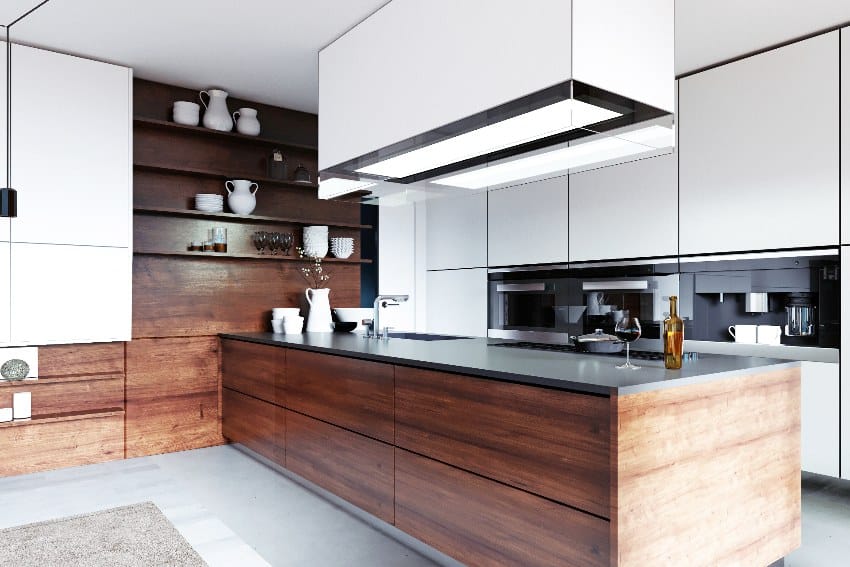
(69,416)
(223,175)
(165,211)
(36,382)
(231,256)
(198,130)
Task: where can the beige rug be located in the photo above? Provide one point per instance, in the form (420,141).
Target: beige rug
(137,535)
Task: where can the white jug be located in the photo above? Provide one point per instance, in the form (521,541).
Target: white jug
(216,116)
(241,196)
(246,121)
(319,319)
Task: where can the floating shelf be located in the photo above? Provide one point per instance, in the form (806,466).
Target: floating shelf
(165,211)
(223,175)
(70,416)
(233,256)
(166,125)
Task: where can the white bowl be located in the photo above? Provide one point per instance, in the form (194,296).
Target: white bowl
(284,312)
(354,314)
(277,325)
(293,325)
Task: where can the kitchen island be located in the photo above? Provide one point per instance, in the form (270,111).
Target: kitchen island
(516,457)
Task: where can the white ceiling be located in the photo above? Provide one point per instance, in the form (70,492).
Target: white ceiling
(266,50)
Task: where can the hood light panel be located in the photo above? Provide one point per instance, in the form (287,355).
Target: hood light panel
(337,186)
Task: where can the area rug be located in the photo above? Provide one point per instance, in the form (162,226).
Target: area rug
(137,535)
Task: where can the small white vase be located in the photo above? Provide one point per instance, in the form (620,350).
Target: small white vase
(241,196)
(246,121)
(319,320)
(216,116)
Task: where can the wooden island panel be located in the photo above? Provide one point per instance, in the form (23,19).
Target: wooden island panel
(708,474)
(258,425)
(255,370)
(549,442)
(347,392)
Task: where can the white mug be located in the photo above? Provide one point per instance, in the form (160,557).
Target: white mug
(769,334)
(746,334)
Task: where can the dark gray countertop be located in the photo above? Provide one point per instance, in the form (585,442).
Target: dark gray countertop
(478,357)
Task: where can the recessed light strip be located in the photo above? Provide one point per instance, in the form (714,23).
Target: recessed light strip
(337,186)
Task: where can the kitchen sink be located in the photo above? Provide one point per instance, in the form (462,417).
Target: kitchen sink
(423,337)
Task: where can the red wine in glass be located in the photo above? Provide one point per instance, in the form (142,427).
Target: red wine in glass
(627,330)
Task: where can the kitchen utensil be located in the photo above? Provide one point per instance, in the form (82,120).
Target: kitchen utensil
(319,318)
(216,115)
(598,342)
(241,196)
(274,242)
(344,327)
(293,325)
(219,239)
(354,315)
(246,121)
(277,325)
(283,312)
(260,239)
(302,174)
(627,329)
(769,334)
(745,334)
(286,242)
(185,112)
(209,202)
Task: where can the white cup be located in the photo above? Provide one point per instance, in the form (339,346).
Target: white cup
(769,334)
(284,312)
(277,325)
(293,325)
(745,334)
(186,112)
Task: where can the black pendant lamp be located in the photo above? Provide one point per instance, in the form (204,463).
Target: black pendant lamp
(8,196)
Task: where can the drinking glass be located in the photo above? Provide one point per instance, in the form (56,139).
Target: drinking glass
(286,242)
(627,330)
(274,242)
(260,239)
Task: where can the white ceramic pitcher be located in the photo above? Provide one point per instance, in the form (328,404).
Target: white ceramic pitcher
(319,319)
(216,116)
(241,196)
(246,121)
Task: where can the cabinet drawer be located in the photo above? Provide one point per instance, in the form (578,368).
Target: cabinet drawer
(482,522)
(73,360)
(350,393)
(351,466)
(560,450)
(73,394)
(258,425)
(255,370)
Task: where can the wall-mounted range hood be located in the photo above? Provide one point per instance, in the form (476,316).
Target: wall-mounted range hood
(442,96)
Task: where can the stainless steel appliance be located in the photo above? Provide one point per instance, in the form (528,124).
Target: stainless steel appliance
(800,315)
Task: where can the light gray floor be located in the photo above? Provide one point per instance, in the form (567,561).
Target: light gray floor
(237,511)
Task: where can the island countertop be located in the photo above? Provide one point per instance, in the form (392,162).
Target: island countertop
(480,357)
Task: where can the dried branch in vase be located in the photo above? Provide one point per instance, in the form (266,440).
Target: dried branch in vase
(314,274)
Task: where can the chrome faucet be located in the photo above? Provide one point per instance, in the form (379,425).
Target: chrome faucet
(383,301)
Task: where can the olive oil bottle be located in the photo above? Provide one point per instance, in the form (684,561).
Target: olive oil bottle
(674,336)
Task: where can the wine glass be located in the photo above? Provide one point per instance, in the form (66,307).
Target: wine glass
(274,242)
(286,242)
(627,330)
(260,240)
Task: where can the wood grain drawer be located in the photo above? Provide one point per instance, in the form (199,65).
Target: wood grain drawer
(354,394)
(72,360)
(349,465)
(482,522)
(258,425)
(549,442)
(255,370)
(70,394)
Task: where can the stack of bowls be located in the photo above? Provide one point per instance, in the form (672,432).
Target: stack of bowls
(287,320)
(186,112)
(209,202)
(316,241)
(342,247)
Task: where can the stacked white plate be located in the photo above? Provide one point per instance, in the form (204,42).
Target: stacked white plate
(342,247)
(316,241)
(209,202)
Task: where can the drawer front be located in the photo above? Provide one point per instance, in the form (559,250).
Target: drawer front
(351,466)
(552,443)
(354,394)
(71,360)
(255,370)
(72,394)
(258,425)
(482,522)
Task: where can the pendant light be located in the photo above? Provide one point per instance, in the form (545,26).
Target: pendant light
(8,196)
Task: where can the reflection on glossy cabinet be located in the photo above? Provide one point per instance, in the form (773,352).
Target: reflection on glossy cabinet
(457,302)
(845,146)
(630,210)
(69,294)
(72,161)
(820,402)
(756,146)
(845,363)
(527,224)
(456,229)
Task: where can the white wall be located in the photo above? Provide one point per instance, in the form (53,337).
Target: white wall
(397,263)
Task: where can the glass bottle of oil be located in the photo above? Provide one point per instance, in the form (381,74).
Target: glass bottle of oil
(674,336)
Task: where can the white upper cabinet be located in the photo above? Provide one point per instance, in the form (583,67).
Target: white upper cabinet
(845,140)
(71,149)
(527,224)
(456,232)
(624,211)
(457,302)
(5,304)
(845,362)
(758,151)
(5,224)
(70,294)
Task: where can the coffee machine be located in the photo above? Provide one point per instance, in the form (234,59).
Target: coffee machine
(800,311)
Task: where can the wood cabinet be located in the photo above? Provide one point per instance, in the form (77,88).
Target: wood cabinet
(820,417)
(259,425)
(80,394)
(456,302)
(69,294)
(527,224)
(645,191)
(748,159)
(485,427)
(354,394)
(845,136)
(482,522)
(172,395)
(254,370)
(353,467)
(456,232)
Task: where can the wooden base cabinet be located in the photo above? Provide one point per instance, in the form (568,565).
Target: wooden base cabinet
(254,370)
(482,522)
(258,425)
